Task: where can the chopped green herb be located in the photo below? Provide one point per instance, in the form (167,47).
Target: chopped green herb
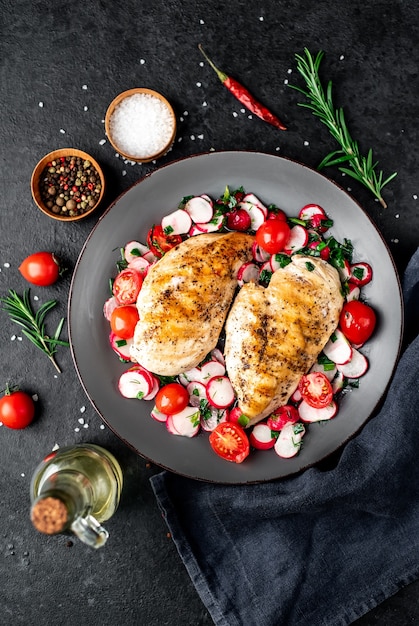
(168,230)
(309,266)
(121,342)
(243,420)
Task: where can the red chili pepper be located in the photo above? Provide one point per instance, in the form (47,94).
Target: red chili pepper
(244,96)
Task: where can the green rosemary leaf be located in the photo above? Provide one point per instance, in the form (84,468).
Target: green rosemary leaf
(320,102)
(32,323)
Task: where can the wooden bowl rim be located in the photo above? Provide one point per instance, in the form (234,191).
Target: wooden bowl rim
(111,108)
(39,168)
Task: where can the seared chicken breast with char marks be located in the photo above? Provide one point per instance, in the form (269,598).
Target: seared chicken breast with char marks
(184,300)
(274,334)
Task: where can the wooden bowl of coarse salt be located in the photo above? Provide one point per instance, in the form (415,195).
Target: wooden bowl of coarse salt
(140,124)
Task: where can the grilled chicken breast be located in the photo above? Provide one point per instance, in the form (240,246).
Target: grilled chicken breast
(274,334)
(184,300)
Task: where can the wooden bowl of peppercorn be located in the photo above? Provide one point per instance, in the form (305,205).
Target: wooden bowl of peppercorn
(67,184)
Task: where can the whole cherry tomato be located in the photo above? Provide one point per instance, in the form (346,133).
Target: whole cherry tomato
(357,321)
(316,390)
(127,285)
(272,235)
(17,409)
(40,268)
(230,442)
(172,398)
(124,320)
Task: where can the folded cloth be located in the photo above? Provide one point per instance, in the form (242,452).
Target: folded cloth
(320,548)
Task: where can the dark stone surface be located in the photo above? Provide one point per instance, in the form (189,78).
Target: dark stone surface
(75,55)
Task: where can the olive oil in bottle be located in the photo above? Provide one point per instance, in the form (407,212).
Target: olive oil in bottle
(74,490)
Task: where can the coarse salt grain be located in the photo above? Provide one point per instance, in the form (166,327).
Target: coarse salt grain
(141,125)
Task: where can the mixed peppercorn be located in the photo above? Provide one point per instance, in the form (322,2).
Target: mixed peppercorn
(70,186)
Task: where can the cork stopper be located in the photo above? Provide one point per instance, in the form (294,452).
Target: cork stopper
(49,515)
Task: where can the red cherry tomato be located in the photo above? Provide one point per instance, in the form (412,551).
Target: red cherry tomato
(17,409)
(126,286)
(159,242)
(357,321)
(272,235)
(40,268)
(124,320)
(316,390)
(239,219)
(283,415)
(172,398)
(230,442)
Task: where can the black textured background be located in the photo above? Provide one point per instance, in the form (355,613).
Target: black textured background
(73,55)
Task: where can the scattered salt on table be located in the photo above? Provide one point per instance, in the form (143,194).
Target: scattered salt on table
(141,125)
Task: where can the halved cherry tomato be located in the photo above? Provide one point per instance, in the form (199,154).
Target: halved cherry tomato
(230,442)
(172,398)
(272,235)
(357,321)
(159,242)
(126,286)
(124,320)
(17,409)
(40,268)
(316,390)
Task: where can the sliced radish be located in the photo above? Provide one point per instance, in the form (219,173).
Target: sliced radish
(199,209)
(194,230)
(310,414)
(218,355)
(247,273)
(158,415)
(338,382)
(211,369)
(122,347)
(150,257)
(296,396)
(309,210)
(108,308)
(177,223)
(135,383)
(216,223)
(261,437)
(344,270)
(134,250)
(140,264)
(212,417)
(220,392)
(356,367)
(194,374)
(289,439)
(353,293)
(256,214)
(297,239)
(265,272)
(259,254)
(361,274)
(154,390)
(277,261)
(328,370)
(186,423)
(207,198)
(250,197)
(197,392)
(338,349)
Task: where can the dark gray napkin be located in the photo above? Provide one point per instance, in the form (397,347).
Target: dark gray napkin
(320,548)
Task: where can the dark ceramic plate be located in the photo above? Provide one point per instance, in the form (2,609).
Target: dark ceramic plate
(290,186)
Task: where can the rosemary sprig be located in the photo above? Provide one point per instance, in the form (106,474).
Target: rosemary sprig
(33,323)
(362,168)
